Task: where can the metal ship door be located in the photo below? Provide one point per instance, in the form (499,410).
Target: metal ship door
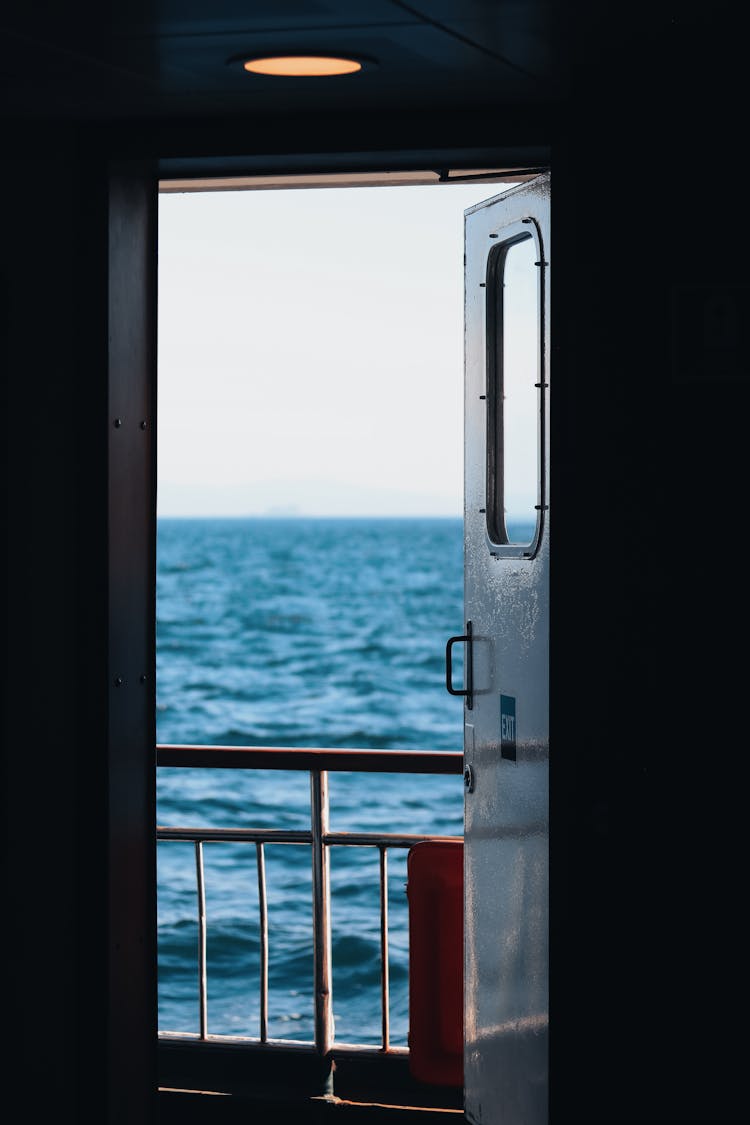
(505,681)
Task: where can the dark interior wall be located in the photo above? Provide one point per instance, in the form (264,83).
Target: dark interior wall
(609,349)
(78,274)
(649,603)
(54,362)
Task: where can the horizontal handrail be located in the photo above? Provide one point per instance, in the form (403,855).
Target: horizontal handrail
(294,836)
(310,758)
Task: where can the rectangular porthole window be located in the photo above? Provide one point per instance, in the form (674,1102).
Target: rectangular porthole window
(515,379)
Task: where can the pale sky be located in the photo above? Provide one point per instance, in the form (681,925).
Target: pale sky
(311,351)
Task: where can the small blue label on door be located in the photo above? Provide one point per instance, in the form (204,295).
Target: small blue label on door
(508,727)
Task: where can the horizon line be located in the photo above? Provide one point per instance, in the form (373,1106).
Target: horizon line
(523,520)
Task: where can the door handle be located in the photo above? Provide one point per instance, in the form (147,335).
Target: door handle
(468,689)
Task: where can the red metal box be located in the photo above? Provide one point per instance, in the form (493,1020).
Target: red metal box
(435,884)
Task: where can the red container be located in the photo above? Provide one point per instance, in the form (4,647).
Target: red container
(435,891)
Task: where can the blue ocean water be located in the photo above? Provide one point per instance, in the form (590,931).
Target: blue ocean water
(312,633)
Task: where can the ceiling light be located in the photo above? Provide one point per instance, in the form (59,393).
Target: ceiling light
(302,66)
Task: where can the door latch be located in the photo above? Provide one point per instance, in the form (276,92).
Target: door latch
(468,689)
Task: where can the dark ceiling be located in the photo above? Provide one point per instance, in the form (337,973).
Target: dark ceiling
(170,59)
(478,83)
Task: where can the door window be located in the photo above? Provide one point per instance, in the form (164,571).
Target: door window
(514,400)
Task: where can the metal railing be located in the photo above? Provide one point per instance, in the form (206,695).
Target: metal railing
(320,838)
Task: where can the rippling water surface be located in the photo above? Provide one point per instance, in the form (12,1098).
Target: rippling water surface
(299,632)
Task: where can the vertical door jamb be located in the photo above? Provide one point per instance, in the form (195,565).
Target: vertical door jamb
(131,544)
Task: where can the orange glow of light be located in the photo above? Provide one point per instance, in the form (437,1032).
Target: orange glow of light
(302,66)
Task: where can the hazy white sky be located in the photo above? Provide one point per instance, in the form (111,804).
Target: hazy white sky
(311,351)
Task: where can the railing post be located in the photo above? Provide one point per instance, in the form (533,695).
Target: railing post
(321,912)
(202,977)
(385,1002)
(263,912)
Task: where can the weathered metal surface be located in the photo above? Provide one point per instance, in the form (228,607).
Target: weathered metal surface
(507,733)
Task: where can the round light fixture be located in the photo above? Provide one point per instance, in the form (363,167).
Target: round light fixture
(301,66)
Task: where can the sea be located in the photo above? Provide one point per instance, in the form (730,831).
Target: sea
(308,632)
